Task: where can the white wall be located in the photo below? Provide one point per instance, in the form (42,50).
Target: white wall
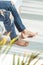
(18,3)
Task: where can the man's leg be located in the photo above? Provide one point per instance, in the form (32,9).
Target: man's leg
(18,22)
(10,27)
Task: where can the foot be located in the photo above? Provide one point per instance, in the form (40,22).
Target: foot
(21,42)
(27,34)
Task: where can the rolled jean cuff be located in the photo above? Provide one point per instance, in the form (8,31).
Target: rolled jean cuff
(22,29)
(13,36)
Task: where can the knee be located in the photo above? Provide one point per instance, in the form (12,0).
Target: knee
(8,16)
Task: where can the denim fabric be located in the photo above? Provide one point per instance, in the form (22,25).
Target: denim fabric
(5,18)
(7,5)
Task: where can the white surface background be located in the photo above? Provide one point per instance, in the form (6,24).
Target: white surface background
(34,25)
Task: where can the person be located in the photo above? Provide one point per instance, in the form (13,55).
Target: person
(9,6)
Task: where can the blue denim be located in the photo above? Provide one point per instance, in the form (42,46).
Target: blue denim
(5,18)
(7,5)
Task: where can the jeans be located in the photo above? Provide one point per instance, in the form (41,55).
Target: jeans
(5,18)
(7,5)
